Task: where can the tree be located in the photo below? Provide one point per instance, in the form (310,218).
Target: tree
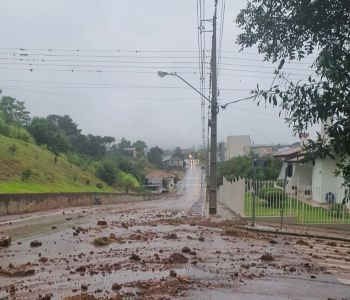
(178,152)
(290,30)
(46,132)
(242,167)
(140,146)
(155,155)
(14,111)
(66,124)
(124,143)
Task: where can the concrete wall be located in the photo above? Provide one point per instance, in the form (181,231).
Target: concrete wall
(232,195)
(25,203)
(237,145)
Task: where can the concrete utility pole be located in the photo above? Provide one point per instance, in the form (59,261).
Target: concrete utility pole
(213,124)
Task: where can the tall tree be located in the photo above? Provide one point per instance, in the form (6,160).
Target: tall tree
(140,146)
(66,124)
(155,155)
(124,143)
(178,152)
(14,111)
(46,132)
(290,30)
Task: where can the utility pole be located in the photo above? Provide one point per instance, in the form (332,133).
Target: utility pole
(213,124)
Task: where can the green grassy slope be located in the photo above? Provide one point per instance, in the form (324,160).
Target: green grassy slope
(47,176)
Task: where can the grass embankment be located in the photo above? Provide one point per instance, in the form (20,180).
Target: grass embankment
(47,174)
(304,212)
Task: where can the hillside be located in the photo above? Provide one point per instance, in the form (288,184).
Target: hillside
(46,174)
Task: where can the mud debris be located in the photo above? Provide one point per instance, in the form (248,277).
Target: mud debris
(171,236)
(116,286)
(302,242)
(266,257)
(21,270)
(135,257)
(186,250)
(101,223)
(45,297)
(5,241)
(178,258)
(102,241)
(35,243)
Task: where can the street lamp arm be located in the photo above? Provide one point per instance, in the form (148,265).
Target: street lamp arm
(205,97)
(162,74)
(224,106)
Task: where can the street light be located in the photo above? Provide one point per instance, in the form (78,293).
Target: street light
(163,74)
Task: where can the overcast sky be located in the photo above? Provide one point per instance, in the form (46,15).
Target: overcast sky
(128,98)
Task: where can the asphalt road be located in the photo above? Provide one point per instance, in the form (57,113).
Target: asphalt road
(163,249)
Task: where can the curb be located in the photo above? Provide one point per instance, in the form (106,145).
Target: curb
(316,236)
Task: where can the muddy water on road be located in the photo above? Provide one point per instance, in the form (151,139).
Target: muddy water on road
(161,250)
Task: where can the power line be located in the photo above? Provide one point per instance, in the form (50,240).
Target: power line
(97,50)
(127,87)
(25,60)
(88,71)
(99,96)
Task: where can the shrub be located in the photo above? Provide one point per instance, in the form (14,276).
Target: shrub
(26,173)
(87,181)
(20,134)
(272,196)
(99,185)
(13,149)
(4,128)
(107,173)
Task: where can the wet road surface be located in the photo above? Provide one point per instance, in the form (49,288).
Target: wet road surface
(163,249)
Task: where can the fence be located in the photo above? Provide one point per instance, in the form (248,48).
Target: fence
(308,205)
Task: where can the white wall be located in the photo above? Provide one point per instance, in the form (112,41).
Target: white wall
(237,145)
(232,195)
(324,180)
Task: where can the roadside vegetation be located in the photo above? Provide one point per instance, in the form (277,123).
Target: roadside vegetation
(242,167)
(51,154)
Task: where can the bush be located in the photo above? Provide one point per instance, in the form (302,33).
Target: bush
(26,173)
(13,149)
(107,173)
(20,134)
(15,132)
(272,196)
(4,128)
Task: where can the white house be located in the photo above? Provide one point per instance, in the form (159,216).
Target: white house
(312,180)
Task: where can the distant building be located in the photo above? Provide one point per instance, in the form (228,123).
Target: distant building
(237,145)
(268,149)
(172,161)
(159,181)
(130,152)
